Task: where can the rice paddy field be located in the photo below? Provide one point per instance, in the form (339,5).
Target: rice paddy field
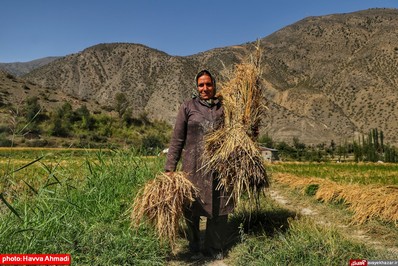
(368,190)
(347,173)
(80,202)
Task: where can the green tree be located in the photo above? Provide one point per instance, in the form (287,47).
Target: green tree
(127,118)
(32,108)
(382,140)
(285,150)
(266,140)
(358,150)
(300,148)
(152,143)
(121,103)
(61,121)
(83,117)
(342,151)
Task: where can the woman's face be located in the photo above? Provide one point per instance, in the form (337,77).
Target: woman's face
(205,87)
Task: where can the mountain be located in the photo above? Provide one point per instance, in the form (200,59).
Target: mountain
(14,91)
(22,68)
(338,70)
(326,78)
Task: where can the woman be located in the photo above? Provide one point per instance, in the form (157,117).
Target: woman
(196,117)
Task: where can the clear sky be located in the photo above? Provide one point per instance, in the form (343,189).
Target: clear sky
(33,29)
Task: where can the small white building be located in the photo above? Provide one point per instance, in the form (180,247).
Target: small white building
(269,154)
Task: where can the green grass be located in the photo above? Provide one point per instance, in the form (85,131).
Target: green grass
(303,243)
(275,236)
(88,218)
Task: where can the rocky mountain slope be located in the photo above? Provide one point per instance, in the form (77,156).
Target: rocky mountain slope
(14,91)
(326,78)
(339,70)
(22,68)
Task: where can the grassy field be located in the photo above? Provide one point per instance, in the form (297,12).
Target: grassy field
(79,202)
(358,173)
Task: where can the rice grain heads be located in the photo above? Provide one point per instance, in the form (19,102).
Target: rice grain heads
(231,150)
(365,201)
(161,202)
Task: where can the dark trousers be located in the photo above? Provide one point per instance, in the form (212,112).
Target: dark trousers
(216,232)
(216,227)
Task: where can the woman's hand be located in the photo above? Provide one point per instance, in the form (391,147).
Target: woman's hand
(169,173)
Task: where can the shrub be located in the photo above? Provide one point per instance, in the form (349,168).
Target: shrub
(4,141)
(311,189)
(152,143)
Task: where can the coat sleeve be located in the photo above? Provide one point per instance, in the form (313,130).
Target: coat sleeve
(178,140)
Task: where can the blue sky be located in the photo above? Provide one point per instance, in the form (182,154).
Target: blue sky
(32,29)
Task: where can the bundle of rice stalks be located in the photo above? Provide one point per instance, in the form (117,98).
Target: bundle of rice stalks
(242,99)
(161,202)
(231,150)
(365,201)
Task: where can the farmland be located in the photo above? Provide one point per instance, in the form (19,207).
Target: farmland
(362,173)
(79,202)
(359,197)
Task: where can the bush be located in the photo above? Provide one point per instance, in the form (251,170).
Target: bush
(4,141)
(37,143)
(152,143)
(5,129)
(311,189)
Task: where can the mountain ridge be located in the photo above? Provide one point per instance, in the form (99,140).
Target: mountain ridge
(22,68)
(326,78)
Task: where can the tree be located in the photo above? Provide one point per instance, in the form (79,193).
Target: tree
(62,121)
(32,108)
(285,150)
(297,144)
(357,152)
(266,140)
(382,140)
(127,118)
(151,143)
(121,103)
(342,151)
(82,115)
(376,139)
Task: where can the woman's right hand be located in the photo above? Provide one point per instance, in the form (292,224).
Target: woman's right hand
(169,173)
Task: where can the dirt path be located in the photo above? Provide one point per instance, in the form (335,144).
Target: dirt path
(373,234)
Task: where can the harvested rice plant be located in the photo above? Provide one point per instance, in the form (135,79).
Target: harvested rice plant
(366,202)
(232,150)
(369,190)
(366,192)
(161,203)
